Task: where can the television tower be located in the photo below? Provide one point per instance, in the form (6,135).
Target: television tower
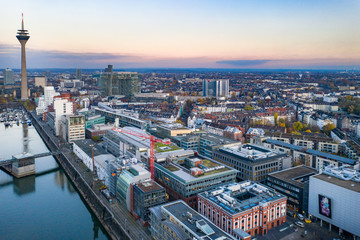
(23,37)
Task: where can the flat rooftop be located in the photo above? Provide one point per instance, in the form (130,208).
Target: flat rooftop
(217,140)
(149,186)
(238,197)
(173,126)
(251,152)
(210,167)
(197,223)
(350,185)
(85,145)
(296,175)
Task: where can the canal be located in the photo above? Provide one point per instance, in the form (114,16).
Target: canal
(45,206)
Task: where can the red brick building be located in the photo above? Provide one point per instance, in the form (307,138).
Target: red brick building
(248,206)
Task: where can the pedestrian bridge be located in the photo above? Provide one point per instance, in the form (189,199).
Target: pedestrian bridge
(25,156)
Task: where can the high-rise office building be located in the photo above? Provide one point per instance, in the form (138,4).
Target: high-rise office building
(216,87)
(78,74)
(8,76)
(23,37)
(119,83)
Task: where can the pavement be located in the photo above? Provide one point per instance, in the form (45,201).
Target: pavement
(119,210)
(313,229)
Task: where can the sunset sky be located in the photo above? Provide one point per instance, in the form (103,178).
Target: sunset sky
(183,34)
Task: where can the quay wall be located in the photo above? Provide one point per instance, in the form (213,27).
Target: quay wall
(102,212)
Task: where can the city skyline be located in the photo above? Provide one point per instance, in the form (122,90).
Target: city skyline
(202,34)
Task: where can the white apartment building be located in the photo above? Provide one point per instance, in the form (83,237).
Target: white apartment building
(61,107)
(72,128)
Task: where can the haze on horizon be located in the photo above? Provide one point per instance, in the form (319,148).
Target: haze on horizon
(314,34)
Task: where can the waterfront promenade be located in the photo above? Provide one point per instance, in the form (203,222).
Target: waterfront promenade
(115,217)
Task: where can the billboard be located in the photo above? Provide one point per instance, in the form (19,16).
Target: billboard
(325,206)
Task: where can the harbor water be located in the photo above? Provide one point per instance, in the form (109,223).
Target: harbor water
(45,205)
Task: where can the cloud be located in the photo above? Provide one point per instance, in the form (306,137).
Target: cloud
(36,58)
(244,63)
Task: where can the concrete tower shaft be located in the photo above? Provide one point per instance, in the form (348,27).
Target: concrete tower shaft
(23,37)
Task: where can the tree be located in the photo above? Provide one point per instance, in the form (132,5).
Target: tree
(276,116)
(328,127)
(248,107)
(298,126)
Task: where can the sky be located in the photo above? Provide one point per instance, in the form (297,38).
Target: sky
(260,34)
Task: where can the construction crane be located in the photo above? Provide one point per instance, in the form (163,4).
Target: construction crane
(153,140)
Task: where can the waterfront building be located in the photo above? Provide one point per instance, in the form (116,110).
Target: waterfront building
(253,162)
(294,184)
(119,83)
(8,77)
(334,196)
(62,107)
(23,37)
(114,167)
(185,177)
(146,194)
(72,127)
(247,206)
(119,143)
(46,100)
(84,150)
(216,88)
(176,220)
(135,173)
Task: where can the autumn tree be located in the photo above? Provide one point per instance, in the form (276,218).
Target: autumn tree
(298,126)
(328,127)
(248,107)
(276,116)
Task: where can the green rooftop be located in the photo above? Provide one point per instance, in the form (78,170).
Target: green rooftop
(160,147)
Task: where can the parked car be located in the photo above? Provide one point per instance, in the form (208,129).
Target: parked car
(301,217)
(300,224)
(290,213)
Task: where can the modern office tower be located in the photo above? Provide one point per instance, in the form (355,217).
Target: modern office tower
(216,87)
(78,74)
(119,83)
(8,76)
(109,69)
(23,37)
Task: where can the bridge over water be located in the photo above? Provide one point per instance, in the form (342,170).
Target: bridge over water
(23,164)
